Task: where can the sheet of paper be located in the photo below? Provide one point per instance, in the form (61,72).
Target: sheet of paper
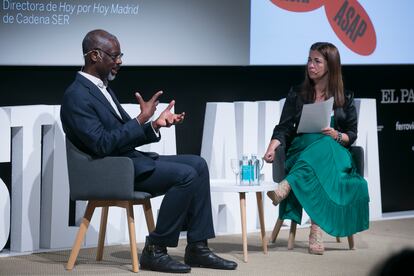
(315,116)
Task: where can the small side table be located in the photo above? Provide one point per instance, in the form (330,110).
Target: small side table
(229,186)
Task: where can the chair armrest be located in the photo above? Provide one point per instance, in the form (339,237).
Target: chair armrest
(103,178)
(278,165)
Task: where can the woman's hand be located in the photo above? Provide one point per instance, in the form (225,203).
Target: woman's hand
(344,140)
(330,132)
(269,156)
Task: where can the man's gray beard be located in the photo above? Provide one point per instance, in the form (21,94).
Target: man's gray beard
(111,76)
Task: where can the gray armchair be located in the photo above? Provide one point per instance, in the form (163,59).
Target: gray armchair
(278,165)
(104,182)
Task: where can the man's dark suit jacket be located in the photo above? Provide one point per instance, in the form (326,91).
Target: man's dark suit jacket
(92,125)
(346,119)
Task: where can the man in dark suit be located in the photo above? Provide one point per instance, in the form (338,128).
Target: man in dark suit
(95,122)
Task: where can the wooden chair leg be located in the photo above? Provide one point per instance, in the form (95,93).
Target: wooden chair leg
(243,224)
(102,233)
(276,230)
(292,234)
(149,218)
(259,198)
(351,242)
(132,240)
(81,235)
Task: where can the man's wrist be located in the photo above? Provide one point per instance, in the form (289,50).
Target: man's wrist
(143,117)
(140,119)
(155,126)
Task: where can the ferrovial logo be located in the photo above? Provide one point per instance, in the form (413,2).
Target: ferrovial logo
(348,19)
(397,96)
(404,126)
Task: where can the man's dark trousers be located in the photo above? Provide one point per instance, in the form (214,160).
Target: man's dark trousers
(184,179)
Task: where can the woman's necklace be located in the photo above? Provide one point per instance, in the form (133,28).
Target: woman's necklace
(320,97)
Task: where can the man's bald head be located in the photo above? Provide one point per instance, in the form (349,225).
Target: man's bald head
(96,39)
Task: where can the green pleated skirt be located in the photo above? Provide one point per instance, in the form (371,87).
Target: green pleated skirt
(325,183)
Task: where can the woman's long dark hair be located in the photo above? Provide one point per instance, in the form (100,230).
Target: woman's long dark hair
(335,84)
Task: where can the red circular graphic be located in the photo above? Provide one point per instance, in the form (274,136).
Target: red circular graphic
(352,25)
(299,6)
(347,18)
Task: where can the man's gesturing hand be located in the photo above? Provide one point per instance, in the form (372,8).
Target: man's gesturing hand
(147,108)
(167,119)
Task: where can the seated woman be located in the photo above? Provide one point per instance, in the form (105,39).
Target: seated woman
(321,176)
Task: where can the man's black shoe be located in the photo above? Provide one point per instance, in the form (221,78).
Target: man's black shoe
(199,255)
(156,258)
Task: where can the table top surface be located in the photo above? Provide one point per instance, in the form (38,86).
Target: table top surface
(226,185)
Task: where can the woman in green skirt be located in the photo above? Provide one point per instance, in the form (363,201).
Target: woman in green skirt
(321,176)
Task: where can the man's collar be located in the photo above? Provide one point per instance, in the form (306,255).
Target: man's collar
(97,81)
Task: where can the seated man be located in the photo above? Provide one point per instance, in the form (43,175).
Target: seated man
(95,122)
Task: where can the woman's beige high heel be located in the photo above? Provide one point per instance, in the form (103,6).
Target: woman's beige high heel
(315,240)
(280,193)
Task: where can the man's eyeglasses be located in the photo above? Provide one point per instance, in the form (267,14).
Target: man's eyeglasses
(114,57)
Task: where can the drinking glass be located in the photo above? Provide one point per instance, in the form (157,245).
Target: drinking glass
(235,166)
